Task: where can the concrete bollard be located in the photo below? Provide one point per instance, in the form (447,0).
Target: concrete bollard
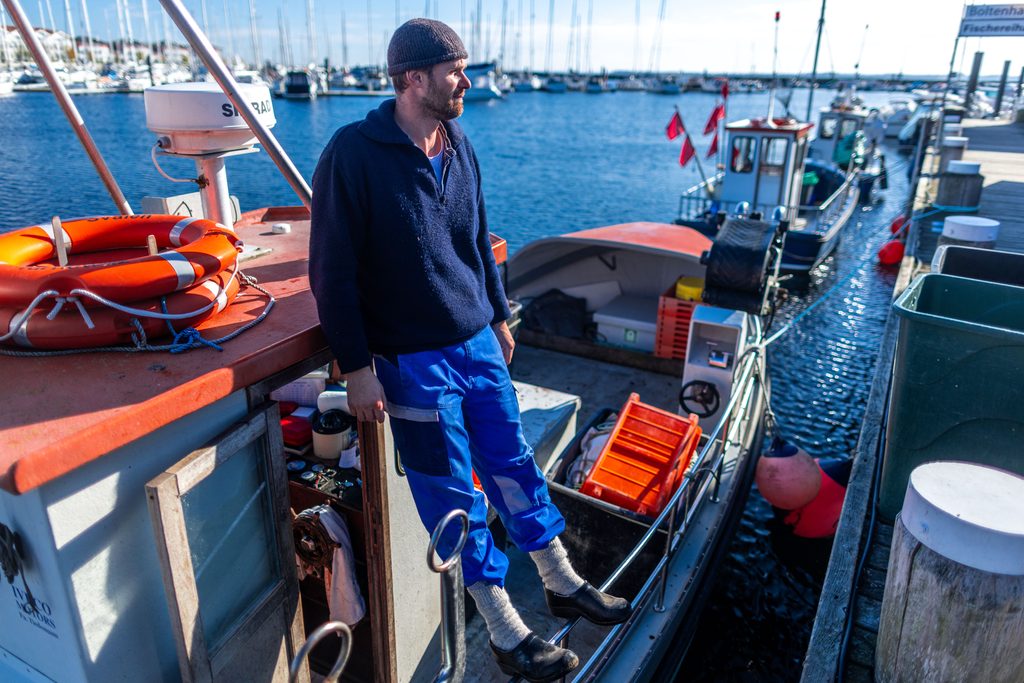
(953,608)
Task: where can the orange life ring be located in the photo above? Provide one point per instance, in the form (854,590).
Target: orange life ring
(195,250)
(68,328)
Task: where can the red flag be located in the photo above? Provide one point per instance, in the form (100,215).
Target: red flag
(675,126)
(725,89)
(713,149)
(687,152)
(717,114)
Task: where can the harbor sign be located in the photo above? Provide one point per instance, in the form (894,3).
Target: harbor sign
(992,20)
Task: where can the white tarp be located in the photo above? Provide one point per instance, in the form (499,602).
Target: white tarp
(992,20)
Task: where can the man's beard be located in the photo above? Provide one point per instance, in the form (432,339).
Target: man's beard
(444,106)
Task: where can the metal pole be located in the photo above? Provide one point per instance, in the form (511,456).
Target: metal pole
(64,100)
(814,69)
(972,82)
(201,44)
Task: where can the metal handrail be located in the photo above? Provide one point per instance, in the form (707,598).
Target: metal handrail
(748,377)
(825,213)
(204,48)
(42,60)
(315,637)
(453,613)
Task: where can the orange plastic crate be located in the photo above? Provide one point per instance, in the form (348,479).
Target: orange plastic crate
(673,328)
(640,466)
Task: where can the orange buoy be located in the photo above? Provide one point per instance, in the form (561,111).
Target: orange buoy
(820,517)
(787,476)
(195,250)
(891,253)
(68,329)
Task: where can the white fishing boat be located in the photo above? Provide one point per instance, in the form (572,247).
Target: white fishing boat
(6,84)
(897,113)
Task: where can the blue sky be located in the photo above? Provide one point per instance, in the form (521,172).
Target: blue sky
(909,36)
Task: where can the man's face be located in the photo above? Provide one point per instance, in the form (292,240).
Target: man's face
(445,85)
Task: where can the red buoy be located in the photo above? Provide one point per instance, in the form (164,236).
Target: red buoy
(787,476)
(897,224)
(891,253)
(820,517)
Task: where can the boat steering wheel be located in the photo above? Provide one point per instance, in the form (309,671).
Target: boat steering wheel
(700,398)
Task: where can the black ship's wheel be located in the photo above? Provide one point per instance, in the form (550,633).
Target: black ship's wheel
(700,398)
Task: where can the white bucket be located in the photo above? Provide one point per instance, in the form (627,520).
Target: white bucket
(970,231)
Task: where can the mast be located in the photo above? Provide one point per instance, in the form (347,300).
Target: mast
(7,53)
(254,36)
(572,38)
(814,69)
(551,25)
(369,29)
(533,17)
(504,24)
(49,11)
(775,59)
(227,30)
(128,29)
(206,19)
(636,39)
(71,27)
(166,35)
(314,53)
(344,42)
(590,33)
(88,32)
(145,24)
(120,26)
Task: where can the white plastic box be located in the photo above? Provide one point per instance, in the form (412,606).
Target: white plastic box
(628,321)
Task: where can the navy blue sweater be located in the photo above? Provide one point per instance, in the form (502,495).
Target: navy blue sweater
(399,263)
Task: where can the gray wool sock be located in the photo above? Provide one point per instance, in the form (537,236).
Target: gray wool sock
(555,571)
(503,621)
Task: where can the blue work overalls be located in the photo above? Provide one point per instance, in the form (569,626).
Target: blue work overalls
(454,410)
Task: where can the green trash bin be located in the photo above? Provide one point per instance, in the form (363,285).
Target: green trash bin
(958,380)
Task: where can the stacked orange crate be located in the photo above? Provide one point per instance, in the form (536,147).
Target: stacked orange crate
(673,327)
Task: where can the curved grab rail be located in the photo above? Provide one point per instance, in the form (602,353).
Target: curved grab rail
(453,613)
(315,637)
(435,538)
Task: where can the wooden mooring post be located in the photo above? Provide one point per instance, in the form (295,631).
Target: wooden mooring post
(954,596)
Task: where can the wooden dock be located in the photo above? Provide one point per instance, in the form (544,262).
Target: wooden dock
(842,645)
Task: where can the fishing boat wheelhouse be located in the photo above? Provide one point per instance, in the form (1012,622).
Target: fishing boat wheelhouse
(768,176)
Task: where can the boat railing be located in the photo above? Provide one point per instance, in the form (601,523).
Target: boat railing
(703,475)
(695,205)
(825,214)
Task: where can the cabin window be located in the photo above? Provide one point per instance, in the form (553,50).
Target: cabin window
(828,128)
(743,154)
(847,127)
(773,152)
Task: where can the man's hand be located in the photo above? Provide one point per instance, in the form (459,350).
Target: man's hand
(365,395)
(505,340)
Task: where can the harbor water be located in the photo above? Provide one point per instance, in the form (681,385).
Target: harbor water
(553,164)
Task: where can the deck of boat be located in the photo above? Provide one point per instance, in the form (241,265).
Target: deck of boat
(858,565)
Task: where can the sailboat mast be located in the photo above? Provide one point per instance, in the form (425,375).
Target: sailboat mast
(504,24)
(344,42)
(590,33)
(533,17)
(254,36)
(228,22)
(551,27)
(71,27)
(88,31)
(814,69)
(145,24)
(311,34)
(369,29)
(49,11)
(3,23)
(572,38)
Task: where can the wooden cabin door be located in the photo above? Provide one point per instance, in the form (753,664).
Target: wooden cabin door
(223,532)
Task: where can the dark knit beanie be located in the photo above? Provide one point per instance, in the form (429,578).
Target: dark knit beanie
(419,43)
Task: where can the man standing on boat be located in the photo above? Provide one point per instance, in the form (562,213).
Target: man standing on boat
(411,303)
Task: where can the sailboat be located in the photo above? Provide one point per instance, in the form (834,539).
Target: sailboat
(7,76)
